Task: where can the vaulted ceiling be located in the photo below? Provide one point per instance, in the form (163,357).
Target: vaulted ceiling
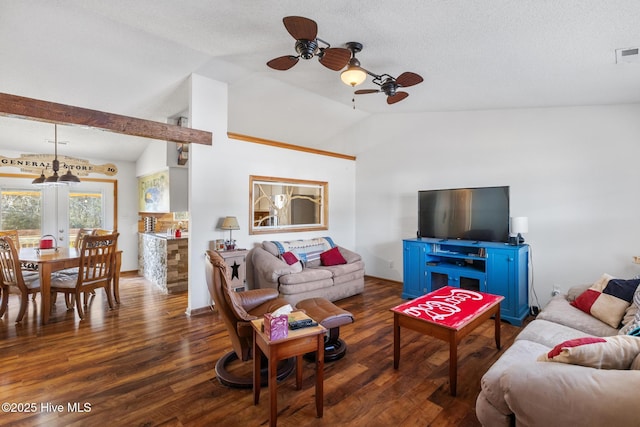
(134,58)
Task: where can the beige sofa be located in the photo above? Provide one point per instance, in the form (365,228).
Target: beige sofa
(308,278)
(518,390)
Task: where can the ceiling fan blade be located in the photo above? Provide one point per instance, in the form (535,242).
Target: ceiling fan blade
(399,96)
(301,28)
(335,58)
(283,63)
(409,79)
(365,91)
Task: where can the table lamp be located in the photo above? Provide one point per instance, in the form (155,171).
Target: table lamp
(519,225)
(230,223)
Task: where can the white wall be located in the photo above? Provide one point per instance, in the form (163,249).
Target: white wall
(153,159)
(128,215)
(219,184)
(573,171)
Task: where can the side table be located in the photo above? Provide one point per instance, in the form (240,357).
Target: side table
(296,344)
(236,265)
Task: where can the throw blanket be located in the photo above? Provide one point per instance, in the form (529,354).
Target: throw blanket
(307,250)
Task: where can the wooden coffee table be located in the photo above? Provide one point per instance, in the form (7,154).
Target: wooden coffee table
(448,314)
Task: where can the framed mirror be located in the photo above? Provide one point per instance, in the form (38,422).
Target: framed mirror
(279,205)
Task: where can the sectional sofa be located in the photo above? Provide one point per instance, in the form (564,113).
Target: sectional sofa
(561,372)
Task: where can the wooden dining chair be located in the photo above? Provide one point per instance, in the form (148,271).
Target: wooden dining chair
(115,285)
(29,271)
(82,233)
(11,278)
(102,231)
(13,234)
(96,269)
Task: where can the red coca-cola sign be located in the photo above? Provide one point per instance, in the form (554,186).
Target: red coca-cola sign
(448,306)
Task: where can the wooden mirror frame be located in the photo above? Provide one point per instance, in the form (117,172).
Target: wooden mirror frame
(257,193)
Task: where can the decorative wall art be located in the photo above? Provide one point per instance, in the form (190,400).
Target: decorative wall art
(153,192)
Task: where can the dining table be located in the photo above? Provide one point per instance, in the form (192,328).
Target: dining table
(48,261)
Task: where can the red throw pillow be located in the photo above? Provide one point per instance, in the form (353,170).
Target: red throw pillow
(607,299)
(555,351)
(289,257)
(332,257)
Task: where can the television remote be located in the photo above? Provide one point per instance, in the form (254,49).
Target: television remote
(303,323)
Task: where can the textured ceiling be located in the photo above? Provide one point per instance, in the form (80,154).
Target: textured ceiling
(133,57)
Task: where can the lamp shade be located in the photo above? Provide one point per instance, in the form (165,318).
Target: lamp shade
(353,75)
(230,223)
(40,180)
(519,224)
(69,178)
(53,179)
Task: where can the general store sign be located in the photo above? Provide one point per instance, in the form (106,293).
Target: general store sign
(38,163)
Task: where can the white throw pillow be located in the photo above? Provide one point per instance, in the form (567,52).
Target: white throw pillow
(616,352)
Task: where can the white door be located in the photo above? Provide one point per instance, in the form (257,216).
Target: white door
(54,215)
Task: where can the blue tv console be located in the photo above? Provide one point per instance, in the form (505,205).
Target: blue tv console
(496,268)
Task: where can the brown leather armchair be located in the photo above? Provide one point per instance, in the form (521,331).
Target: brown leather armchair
(238,309)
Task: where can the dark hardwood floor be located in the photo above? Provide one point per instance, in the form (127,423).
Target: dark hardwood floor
(148,364)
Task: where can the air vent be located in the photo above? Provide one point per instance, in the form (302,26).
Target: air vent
(628,55)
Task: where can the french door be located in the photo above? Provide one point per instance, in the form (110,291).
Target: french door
(57,211)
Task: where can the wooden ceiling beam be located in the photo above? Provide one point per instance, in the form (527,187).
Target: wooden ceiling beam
(35,109)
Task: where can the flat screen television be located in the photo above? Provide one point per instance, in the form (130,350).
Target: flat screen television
(479,214)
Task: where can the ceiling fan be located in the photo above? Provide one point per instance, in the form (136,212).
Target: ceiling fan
(355,74)
(305,31)
(390,85)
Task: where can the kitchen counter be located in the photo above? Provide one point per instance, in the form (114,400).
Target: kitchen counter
(185,235)
(163,260)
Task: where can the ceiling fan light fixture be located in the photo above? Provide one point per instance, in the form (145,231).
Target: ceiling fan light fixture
(353,75)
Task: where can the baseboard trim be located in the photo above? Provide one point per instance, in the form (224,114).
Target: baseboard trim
(367,276)
(199,311)
(129,273)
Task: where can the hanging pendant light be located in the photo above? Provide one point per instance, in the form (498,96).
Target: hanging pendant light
(66,179)
(69,178)
(40,180)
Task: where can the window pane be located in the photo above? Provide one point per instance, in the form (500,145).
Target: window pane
(20,210)
(85,211)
